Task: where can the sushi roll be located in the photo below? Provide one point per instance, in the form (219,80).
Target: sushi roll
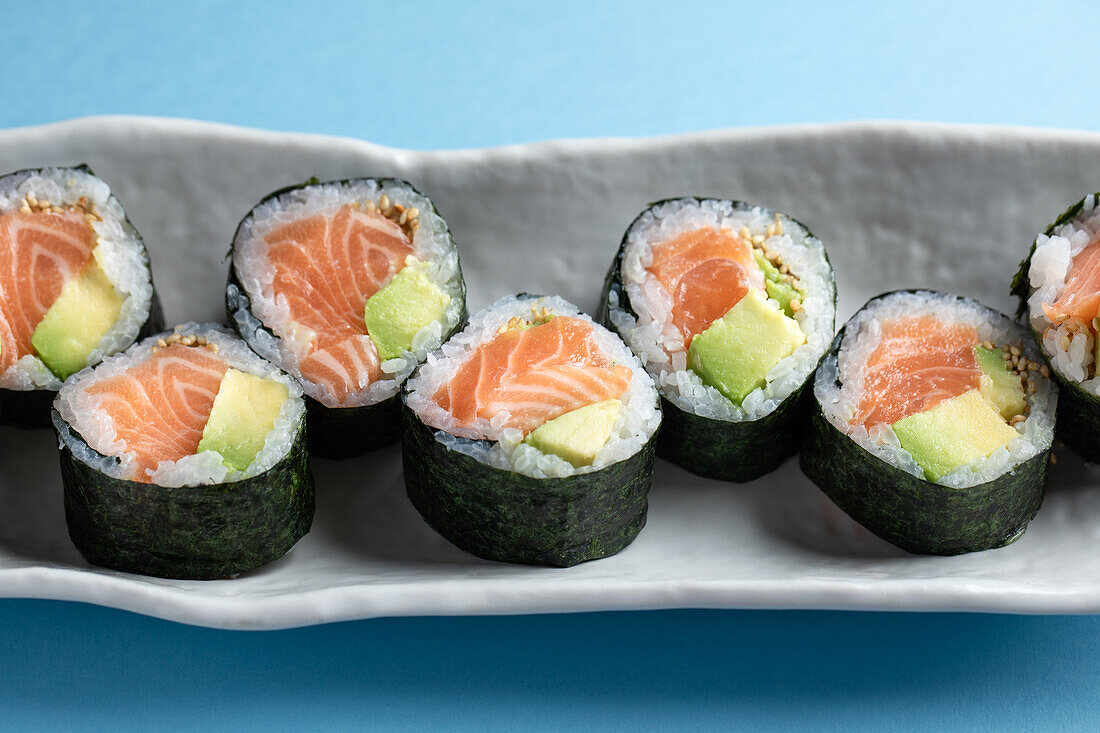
(184,457)
(75,285)
(932,424)
(730,307)
(347,285)
(529,436)
(1058,287)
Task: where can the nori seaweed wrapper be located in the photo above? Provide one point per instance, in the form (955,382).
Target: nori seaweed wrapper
(196,533)
(501,515)
(719,449)
(1078,409)
(917,515)
(31,408)
(334,432)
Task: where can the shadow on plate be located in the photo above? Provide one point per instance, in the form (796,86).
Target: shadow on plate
(32,516)
(362,506)
(796,511)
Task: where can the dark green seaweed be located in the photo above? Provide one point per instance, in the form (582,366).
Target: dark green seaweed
(919,516)
(733,451)
(334,432)
(195,533)
(719,449)
(1078,409)
(501,515)
(31,408)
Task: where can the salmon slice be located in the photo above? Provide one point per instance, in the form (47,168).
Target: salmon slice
(535,374)
(706,272)
(919,363)
(39,252)
(1081,296)
(160,406)
(325,270)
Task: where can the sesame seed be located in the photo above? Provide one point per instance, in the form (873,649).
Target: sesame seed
(1053,459)
(745,233)
(404,218)
(1032,386)
(796,305)
(413,212)
(1015,350)
(771,230)
(384,202)
(778,227)
(1044,371)
(1064,342)
(987,345)
(1032,366)
(758,239)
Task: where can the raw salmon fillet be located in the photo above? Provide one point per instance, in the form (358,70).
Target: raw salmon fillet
(919,363)
(160,406)
(706,272)
(535,374)
(39,253)
(1081,296)
(325,270)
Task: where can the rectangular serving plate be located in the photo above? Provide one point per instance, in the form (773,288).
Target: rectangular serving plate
(898,205)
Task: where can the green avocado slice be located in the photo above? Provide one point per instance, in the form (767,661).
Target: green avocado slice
(735,353)
(999,384)
(954,433)
(76,322)
(577,436)
(244,413)
(397,312)
(778,289)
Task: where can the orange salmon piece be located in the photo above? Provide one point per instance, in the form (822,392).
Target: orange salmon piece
(535,374)
(325,270)
(160,406)
(707,272)
(919,363)
(39,253)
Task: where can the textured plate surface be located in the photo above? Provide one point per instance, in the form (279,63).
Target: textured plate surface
(898,205)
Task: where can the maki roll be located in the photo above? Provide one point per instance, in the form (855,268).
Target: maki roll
(730,307)
(347,285)
(184,457)
(932,423)
(75,285)
(1059,290)
(529,436)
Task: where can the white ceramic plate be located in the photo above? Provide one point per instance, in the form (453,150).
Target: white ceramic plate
(897,205)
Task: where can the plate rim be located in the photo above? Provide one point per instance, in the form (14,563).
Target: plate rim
(165,600)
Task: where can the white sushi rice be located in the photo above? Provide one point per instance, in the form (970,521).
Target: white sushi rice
(660,345)
(1050,266)
(503,447)
(431,243)
(119,252)
(104,451)
(863,333)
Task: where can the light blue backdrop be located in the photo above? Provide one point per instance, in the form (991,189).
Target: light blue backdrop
(474,74)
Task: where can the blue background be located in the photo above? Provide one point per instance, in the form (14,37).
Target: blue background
(475,74)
